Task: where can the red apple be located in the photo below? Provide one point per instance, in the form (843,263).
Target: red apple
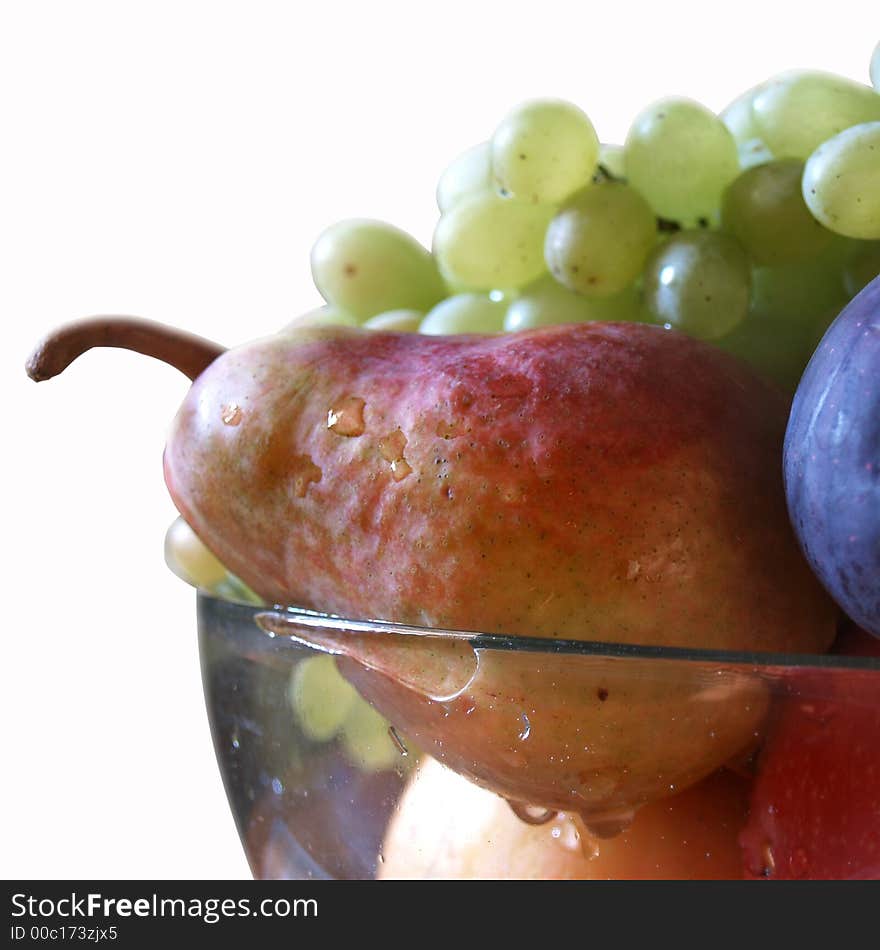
(815,808)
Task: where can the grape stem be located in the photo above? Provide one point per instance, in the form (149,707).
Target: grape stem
(184,351)
(604,173)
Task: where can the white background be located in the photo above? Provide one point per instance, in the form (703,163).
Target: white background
(176,160)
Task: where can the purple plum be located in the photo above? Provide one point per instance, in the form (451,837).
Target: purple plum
(832,459)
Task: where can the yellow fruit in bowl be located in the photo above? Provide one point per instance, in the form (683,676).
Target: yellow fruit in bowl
(447,828)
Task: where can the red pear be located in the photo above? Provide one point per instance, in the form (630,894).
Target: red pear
(601,481)
(612,482)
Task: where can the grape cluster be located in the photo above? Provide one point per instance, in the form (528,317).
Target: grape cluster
(751,228)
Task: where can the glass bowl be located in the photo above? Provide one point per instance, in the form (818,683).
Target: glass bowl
(614,760)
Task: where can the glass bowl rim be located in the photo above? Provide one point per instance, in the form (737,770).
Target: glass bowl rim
(281,622)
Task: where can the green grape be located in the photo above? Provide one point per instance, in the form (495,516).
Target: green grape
(396,321)
(465,313)
(320,698)
(753,152)
(681,157)
(543,151)
(699,282)
(487,241)
(802,292)
(841,183)
(234,589)
(797,111)
(611,158)
(792,306)
(366,739)
(547,303)
(469,174)
(765,210)
(328,316)
(599,240)
(367,267)
(189,559)
(875,68)
(862,267)
(777,349)
(739,117)
(628,306)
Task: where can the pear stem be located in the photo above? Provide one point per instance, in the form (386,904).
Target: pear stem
(184,351)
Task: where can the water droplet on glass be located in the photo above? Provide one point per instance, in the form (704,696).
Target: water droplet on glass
(231,414)
(531,814)
(346,417)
